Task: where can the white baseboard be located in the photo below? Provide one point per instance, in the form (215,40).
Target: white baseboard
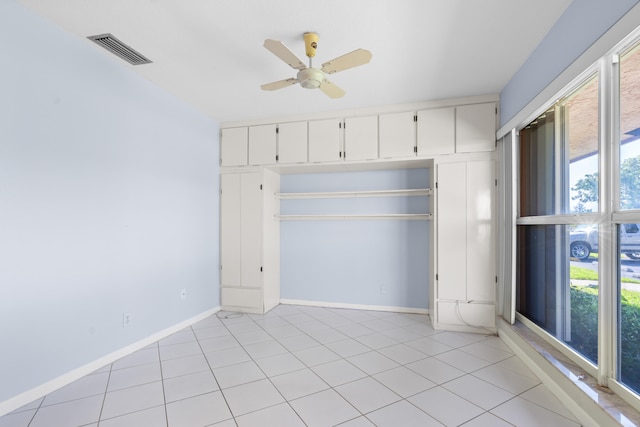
(65,379)
(355,306)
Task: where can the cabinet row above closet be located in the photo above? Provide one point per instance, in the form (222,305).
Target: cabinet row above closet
(425,133)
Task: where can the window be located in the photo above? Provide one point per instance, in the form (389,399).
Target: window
(557,260)
(628,247)
(578,236)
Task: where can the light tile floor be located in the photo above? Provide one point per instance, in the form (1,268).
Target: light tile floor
(306,366)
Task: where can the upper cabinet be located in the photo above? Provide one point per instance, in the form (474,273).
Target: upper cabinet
(292,143)
(397,135)
(325,142)
(436,131)
(420,134)
(361,138)
(476,128)
(262,145)
(233,146)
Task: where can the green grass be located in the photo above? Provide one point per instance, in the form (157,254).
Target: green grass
(581,273)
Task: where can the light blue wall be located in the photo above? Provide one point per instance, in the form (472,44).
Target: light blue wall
(582,23)
(370,262)
(108,204)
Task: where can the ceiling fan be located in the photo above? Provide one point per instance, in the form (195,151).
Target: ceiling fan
(310,77)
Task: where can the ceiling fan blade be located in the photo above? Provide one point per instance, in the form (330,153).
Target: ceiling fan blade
(331,90)
(281,51)
(346,61)
(279,84)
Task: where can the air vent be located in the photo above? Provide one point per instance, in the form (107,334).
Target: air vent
(120,49)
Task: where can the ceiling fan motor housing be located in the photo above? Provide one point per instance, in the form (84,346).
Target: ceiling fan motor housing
(310,78)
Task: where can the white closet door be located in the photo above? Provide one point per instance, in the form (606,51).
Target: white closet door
(361,138)
(436,131)
(262,145)
(292,142)
(251,229)
(233,146)
(325,144)
(397,135)
(481,259)
(230,254)
(452,231)
(476,128)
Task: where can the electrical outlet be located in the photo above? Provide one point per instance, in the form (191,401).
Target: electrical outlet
(183,294)
(126,319)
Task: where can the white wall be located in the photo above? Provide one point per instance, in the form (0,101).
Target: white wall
(108,204)
(366,262)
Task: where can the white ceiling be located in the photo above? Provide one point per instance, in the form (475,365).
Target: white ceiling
(209,52)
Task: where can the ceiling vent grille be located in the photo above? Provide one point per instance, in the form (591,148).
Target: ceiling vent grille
(120,49)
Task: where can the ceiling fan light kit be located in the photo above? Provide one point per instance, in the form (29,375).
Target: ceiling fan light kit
(310,77)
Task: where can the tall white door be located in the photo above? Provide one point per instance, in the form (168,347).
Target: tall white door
(251,229)
(230,249)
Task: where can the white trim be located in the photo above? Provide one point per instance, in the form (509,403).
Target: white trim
(568,219)
(355,306)
(588,412)
(609,40)
(37,392)
(624,393)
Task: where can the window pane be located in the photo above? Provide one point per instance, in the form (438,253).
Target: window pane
(629,305)
(559,157)
(630,130)
(556,291)
(580,112)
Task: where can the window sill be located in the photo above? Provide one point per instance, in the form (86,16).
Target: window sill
(592,404)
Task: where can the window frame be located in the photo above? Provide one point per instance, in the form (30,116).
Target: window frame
(609,217)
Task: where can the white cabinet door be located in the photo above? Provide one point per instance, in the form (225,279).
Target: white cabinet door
(230,252)
(292,142)
(361,138)
(476,128)
(325,143)
(262,145)
(397,135)
(466,250)
(481,261)
(233,147)
(452,231)
(251,229)
(436,131)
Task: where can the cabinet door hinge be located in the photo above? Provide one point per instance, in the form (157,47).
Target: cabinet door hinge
(277,130)
(340,154)
(261,186)
(415,118)
(496,182)
(496,279)
(340,125)
(260,268)
(415,150)
(277,157)
(344,156)
(436,185)
(436,277)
